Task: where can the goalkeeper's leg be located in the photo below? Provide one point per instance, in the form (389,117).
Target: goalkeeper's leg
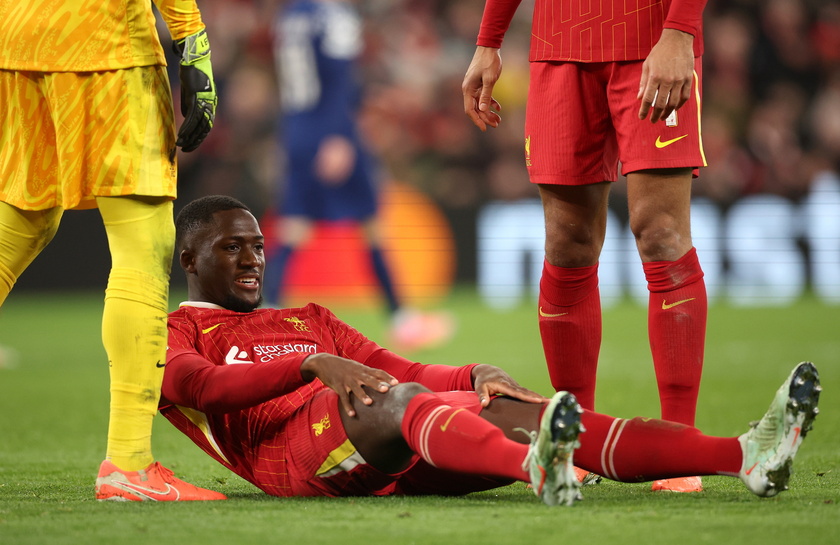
(141,239)
(23,235)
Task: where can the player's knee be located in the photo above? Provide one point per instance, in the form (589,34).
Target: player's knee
(569,250)
(399,396)
(662,243)
(392,404)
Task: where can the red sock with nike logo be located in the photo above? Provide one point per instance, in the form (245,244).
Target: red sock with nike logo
(644,449)
(570,328)
(677,312)
(458,440)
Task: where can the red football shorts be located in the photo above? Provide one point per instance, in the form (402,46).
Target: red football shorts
(328,464)
(582,120)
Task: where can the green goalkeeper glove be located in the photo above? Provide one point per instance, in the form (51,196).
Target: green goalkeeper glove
(198,91)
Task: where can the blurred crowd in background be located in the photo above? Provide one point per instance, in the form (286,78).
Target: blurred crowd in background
(771,110)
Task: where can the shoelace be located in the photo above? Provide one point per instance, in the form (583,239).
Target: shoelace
(165,472)
(532,435)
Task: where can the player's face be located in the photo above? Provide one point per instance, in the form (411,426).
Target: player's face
(229,262)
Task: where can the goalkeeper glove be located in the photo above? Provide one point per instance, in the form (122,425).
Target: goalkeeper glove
(198,91)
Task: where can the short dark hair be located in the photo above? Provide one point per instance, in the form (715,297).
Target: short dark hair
(199,213)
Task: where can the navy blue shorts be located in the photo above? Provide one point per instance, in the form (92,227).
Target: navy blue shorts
(305,195)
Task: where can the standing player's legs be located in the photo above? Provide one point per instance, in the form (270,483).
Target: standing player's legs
(677,310)
(658,160)
(571,152)
(23,235)
(569,300)
(141,238)
(372,228)
(292,232)
(411,329)
(117,141)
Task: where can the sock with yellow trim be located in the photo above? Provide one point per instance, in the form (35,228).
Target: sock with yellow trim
(458,440)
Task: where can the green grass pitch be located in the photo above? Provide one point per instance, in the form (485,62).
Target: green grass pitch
(54,419)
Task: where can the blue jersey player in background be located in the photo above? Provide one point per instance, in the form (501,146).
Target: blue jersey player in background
(330,176)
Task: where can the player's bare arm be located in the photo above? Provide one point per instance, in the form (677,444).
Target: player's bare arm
(667,75)
(489,380)
(477,88)
(346,377)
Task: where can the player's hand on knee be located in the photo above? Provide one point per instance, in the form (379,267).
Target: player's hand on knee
(347,378)
(490,381)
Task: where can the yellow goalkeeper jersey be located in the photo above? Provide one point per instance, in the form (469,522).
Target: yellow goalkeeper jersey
(89,35)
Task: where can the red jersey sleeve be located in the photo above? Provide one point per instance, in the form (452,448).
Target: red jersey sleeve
(686,15)
(495,22)
(437,378)
(193,381)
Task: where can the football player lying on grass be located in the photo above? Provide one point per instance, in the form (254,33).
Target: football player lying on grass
(299,403)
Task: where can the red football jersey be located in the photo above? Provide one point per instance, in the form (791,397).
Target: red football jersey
(595,30)
(232,379)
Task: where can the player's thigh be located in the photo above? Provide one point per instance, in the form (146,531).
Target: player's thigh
(569,138)
(659,203)
(24,234)
(672,143)
(140,231)
(317,456)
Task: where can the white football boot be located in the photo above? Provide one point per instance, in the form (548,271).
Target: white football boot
(772,442)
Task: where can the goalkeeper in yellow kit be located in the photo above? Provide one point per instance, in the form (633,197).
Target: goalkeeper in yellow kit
(86,121)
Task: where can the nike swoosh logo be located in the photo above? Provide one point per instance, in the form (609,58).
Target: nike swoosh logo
(448,420)
(158,364)
(750,470)
(660,144)
(211,328)
(170,494)
(545,314)
(666,306)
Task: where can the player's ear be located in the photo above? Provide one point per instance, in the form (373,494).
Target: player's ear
(187,260)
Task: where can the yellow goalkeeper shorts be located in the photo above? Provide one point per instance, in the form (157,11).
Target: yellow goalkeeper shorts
(69,137)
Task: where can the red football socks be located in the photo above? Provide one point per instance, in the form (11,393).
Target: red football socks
(570,327)
(635,450)
(456,439)
(677,314)
(643,449)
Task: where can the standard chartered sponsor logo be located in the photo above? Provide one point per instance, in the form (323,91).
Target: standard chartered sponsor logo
(271,351)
